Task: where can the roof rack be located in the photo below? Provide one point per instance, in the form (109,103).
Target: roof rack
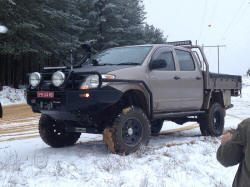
(180,43)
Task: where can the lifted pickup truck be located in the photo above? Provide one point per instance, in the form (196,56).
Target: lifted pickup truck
(126,93)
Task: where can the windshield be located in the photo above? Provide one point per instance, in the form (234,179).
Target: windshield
(121,56)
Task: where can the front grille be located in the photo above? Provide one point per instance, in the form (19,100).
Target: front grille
(73,81)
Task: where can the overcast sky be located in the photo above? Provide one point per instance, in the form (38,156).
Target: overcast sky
(211,22)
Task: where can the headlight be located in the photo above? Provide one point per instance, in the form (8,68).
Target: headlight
(91,81)
(106,76)
(58,78)
(35,79)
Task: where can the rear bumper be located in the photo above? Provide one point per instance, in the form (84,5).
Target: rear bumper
(70,104)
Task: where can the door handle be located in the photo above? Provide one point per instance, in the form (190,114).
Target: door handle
(177,78)
(153,78)
(198,78)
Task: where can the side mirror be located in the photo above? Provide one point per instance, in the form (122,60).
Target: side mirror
(157,64)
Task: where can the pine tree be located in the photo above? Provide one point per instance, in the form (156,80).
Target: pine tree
(52,27)
(114,23)
(23,20)
(65,25)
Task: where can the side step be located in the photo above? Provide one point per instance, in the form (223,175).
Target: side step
(177,114)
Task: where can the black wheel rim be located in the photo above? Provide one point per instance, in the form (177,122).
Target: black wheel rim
(217,121)
(132,131)
(57,130)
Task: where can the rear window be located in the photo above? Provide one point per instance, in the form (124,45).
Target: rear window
(186,61)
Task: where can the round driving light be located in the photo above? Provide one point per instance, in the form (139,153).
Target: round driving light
(58,78)
(35,79)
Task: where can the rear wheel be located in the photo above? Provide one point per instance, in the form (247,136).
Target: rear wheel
(53,133)
(130,130)
(212,123)
(156,126)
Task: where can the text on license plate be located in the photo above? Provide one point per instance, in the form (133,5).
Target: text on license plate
(46,94)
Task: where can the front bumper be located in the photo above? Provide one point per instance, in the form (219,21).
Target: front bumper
(70,104)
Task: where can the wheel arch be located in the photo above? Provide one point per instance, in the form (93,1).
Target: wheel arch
(214,96)
(217,97)
(137,98)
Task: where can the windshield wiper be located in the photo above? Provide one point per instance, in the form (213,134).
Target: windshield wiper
(95,62)
(129,63)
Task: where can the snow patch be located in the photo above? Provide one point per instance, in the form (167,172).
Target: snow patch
(11,96)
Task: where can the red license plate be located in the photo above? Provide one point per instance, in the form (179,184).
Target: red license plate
(45,94)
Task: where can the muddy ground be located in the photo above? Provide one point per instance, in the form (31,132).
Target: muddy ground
(18,122)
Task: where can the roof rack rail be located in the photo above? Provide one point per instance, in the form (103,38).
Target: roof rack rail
(180,43)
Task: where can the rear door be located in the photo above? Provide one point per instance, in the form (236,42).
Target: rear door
(162,82)
(190,81)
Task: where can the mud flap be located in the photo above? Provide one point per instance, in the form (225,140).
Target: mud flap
(108,138)
(126,110)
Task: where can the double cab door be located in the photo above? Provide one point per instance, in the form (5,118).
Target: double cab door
(179,85)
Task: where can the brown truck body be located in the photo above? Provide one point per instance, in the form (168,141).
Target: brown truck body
(179,90)
(127,91)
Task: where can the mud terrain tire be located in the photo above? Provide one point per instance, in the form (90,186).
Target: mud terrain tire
(156,127)
(130,130)
(52,133)
(212,123)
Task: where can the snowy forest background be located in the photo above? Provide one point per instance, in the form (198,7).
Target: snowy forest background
(42,32)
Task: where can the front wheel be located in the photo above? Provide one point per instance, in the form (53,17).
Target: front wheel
(212,123)
(130,130)
(53,133)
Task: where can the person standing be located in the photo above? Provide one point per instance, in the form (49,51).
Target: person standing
(235,149)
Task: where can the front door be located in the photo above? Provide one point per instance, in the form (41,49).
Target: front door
(162,82)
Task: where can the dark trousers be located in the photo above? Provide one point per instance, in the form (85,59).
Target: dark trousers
(1,111)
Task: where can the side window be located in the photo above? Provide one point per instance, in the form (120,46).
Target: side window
(186,61)
(167,56)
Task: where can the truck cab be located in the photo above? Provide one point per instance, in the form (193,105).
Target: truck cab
(179,85)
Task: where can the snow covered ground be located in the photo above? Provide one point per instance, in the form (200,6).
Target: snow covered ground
(12,96)
(181,159)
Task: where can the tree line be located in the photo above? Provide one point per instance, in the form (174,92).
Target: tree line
(47,30)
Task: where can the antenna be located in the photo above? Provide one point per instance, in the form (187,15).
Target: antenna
(71,40)
(71,59)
